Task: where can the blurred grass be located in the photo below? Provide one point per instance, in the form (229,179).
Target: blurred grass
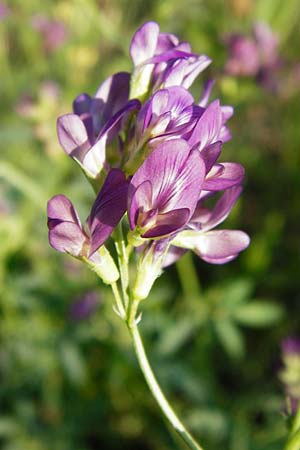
(75,385)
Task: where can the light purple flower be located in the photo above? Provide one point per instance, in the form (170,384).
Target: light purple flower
(164,191)
(255,55)
(161,60)
(213,246)
(54,32)
(76,135)
(243,56)
(169,112)
(67,235)
(4,10)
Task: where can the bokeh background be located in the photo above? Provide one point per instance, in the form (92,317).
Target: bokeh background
(68,376)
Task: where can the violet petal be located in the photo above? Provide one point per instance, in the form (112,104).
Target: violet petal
(222,208)
(72,135)
(108,208)
(168,223)
(110,97)
(224,175)
(220,246)
(208,127)
(144,42)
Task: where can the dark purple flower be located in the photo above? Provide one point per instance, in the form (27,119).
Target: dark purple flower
(66,233)
(213,246)
(291,345)
(161,60)
(164,191)
(84,306)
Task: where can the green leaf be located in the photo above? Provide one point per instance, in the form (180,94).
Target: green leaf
(231,338)
(175,336)
(258,314)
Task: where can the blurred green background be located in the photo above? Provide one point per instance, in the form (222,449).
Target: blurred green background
(213,332)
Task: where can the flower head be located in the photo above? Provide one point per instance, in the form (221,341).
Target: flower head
(148,126)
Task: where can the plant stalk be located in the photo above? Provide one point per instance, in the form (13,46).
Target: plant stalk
(157,392)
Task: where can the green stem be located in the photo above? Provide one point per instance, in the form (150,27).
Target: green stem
(123,255)
(293,442)
(156,390)
(188,276)
(296,421)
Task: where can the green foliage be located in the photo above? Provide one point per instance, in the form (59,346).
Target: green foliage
(213,332)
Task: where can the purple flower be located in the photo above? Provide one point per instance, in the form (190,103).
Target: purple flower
(290,371)
(291,346)
(111,96)
(161,60)
(66,234)
(95,122)
(255,55)
(4,10)
(54,32)
(84,306)
(169,112)
(85,134)
(164,191)
(243,56)
(213,246)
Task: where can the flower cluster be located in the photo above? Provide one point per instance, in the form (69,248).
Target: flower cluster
(150,149)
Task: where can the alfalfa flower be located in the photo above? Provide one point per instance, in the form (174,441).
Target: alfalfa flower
(67,235)
(254,55)
(199,235)
(161,60)
(94,125)
(164,191)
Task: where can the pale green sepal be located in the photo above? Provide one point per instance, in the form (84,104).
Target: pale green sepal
(148,270)
(140,81)
(105,267)
(134,238)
